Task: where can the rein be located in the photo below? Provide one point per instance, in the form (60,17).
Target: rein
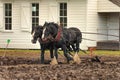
(58,36)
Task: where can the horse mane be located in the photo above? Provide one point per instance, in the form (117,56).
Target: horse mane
(55,24)
(39,26)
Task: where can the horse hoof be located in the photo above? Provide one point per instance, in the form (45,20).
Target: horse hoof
(54,61)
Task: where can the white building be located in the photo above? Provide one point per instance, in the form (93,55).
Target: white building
(18,16)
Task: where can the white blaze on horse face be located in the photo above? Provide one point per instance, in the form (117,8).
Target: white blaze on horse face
(33,34)
(43,34)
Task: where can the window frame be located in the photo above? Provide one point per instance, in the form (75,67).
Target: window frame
(8,22)
(35,16)
(64,16)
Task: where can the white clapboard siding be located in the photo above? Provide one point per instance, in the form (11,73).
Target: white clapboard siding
(25,16)
(77,17)
(107,6)
(1,16)
(44,12)
(87,15)
(92,21)
(53,12)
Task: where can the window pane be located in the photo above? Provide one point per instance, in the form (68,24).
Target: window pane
(37,20)
(61,20)
(61,6)
(33,4)
(9,13)
(33,20)
(33,13)
(6,13)
(35,9)
(65,6)
(6,26)
(36,24)
(10,27)
(10,20)
(10,7)
(37,6)
(61,13)
(65,13)
(65,25)
(37,13)
(6,6)
(6,20)
(65,20)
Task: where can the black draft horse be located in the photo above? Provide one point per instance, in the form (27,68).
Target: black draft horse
(37,33)
(62,37)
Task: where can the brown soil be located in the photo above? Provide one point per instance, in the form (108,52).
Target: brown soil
(27,68)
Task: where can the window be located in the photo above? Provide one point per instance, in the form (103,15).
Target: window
(63,14)
(8,16)
(35,14)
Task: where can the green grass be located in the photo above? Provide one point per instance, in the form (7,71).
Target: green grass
(99,52)
(103,53)
(19,50)
(96,52)
(107,52)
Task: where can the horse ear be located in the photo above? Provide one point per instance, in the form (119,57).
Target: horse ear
(58,23)
(45,23)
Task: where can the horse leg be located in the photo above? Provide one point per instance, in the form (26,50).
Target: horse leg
(69,48)
(54,60)
(68,57)
(77,45)
(73,46)
(42,56)
(51,53)
(42,53)
(56,53)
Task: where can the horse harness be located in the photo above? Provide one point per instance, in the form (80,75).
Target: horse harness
(58,36)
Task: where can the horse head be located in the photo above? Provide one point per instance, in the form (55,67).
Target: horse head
(50,31)
(36,33)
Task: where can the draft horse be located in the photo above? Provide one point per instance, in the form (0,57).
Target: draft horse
(62,37)
(37,34)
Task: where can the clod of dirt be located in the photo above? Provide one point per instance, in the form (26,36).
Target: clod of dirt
(76,59)
(54,61)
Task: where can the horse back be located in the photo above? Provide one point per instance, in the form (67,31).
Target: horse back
(76,33)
